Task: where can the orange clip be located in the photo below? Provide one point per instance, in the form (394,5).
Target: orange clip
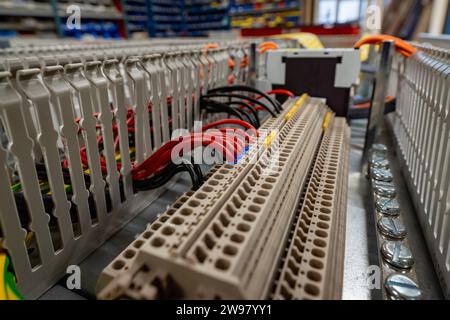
(266,46)
(401,46)
(231,63)
(210,46)
(244,62)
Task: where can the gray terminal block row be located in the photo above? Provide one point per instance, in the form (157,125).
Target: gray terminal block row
(260,208)
(211,195)
(124,261)
(209,198)
(231,233)
(400,281)
(312,267)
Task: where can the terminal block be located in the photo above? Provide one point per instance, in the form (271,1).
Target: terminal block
(270,226)
(313,263)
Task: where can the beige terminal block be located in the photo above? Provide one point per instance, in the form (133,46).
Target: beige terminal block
(256,229)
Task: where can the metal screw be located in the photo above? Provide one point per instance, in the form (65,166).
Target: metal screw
(401,287)
(378,162)
(392,228)
(381,175)
(379,149)
(384,189)
(397,255)
(388,206)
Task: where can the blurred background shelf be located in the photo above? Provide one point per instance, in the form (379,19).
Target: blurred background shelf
(166,18)
(266,14)
(136,17)
(27,9)
(99,19)
(187,17)
(112,19)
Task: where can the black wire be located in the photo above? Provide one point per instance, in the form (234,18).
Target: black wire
(241,96)
(254,121)
(215,110)
(274,102)
(233,88)
(214,106)
(168,173)
(249,107)
(194,178)
(24,215)
(41,171)
(243,114)
(199,173)
(152,183)
(42,175)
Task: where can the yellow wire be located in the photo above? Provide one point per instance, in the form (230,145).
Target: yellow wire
(11,290)
(29,237)
(11,294)
(8,289)
(3,292)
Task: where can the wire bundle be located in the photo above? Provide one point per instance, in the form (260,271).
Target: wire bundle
(229,142)
(242,102)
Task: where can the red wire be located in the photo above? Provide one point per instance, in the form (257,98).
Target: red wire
(163,155)
(241,123)
(277,91)
(282,92)
(231,142)
(229,148)
(235,137)
(148,165)
(163,161)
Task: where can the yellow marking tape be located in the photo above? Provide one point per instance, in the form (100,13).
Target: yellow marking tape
(297,105)
(269,139)
(326,121)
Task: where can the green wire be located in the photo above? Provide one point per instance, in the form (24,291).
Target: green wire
(68,188)
(45,188)
(9,279)
(16,187)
